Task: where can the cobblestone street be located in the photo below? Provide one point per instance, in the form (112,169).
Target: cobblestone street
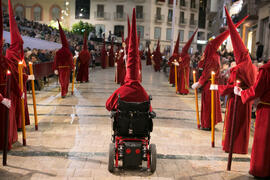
(75,133)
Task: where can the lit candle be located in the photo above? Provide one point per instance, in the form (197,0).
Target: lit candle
(196,101)
(213,109)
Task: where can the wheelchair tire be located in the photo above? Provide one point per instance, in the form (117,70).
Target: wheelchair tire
(111,157)
(153,157)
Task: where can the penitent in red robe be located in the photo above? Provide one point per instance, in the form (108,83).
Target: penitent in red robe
(103,57)
(12,136)
(243,115)
(211,65)
(63,62)
(172,68)
(121,68)
(183,75)
(111,57)
(83,70)
(260,155)
(131,91)
(157,60)
(148,57)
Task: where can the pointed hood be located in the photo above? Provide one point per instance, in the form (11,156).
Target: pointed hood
(176,46)
(187,45)
(16,44)
(63,36)
(85,46)
(132,68)
(139,38)
(245,70)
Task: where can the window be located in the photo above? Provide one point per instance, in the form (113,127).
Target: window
(19,11)
(182,17)
(55,13)
(181,35)
(170,14)
(4,7)
(192,20)
(118,30)
(158,13)
(100,29)
(37,13)
(182,3)
(169,34)
(157,32)
(100,10)
(190,33)
(192,4)
(120,11)
(139,12)
(140,29)
(82,9)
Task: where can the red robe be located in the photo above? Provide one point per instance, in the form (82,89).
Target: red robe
(211,65)
(63,62)
(12,136)
(157,60)
(83,70)
(103,57)
(111,57)
(183,75)
(148,57)
(121,68)
(131,91)
(243,117)
(260,155)
(172,68)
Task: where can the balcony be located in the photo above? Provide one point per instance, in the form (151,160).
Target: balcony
(159,18)
(160,2)
(139,1)
(248,9)
(169,21)
(182,22)
(102,16)
(140,17)
(193,23)
(194,7)
(119,16)
(120,0)
(183,6)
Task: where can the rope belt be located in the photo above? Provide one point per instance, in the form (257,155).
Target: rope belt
(264,103)
(3,84)
(63,66)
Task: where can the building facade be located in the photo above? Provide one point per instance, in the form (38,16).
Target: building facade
(154,17)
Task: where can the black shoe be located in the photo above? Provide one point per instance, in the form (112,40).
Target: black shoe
(19,129)
(63,97)
(206,129)
(173,85)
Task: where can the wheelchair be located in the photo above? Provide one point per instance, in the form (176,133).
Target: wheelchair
(132,124)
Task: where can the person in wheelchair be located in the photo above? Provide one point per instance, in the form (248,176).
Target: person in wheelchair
(132,116)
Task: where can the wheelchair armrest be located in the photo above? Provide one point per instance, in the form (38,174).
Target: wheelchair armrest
(113,113)
(152,114)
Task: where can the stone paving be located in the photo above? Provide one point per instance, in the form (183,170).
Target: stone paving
(75,132)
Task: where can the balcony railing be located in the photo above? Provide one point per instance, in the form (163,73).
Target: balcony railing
(119,16)
(248,9)
(102,15)
(193,22)
(140,16)
(160,2)
(159,18)
(182,22)
(194,7)
(139,1)
(183,6)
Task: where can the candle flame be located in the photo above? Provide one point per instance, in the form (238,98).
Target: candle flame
(8,72)
(194,72)
(20,62)
(30,62)
(213,72)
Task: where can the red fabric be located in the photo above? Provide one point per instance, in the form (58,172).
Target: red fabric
(63,62)
(103,56)
(183,75)
(148,57)
(204,80)
(83,70)
(243,116)
(133,61)
(121,68)
(63,36)
(1,97)
(260,157)
(111,56)
(157,58)
(131,91)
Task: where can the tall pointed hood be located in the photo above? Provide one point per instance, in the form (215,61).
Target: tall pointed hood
(63,36)
(16,44)
(85,46)
(245,70)
(187,45)
(176,46)
(132,68)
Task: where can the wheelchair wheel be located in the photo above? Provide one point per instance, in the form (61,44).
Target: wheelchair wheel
(111,158)
(153,157)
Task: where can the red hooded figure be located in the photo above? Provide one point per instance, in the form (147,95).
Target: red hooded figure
(131,91)
(4,67)
(210,62)
(84,60)
(111,56)
(244,72)
(63,63)
(148,56)
(103,57)
(260,157)
(184,68)
(174,57)
(157,58)
(15,55)
(121,67)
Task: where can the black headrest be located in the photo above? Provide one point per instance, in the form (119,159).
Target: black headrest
(133,106)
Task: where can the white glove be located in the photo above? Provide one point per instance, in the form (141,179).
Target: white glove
(6,102)
(237,91)
(56,72)
(22,96)
(125,57)
(196,85)
(214,87)
(31,77)
(115,64)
